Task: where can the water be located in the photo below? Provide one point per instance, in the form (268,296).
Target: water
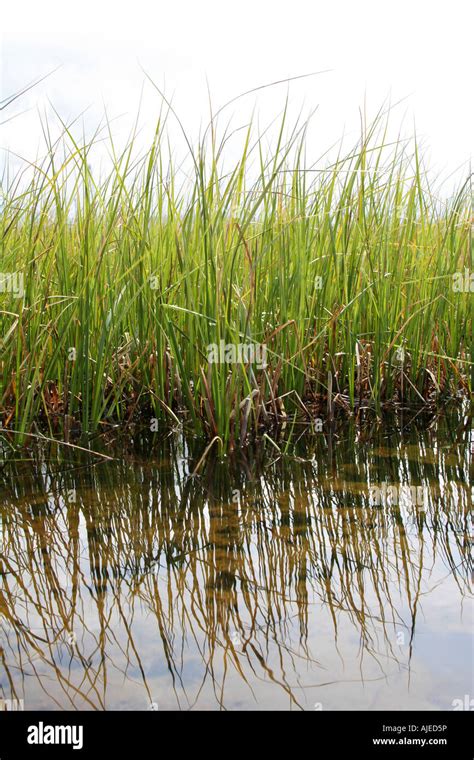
(261,582)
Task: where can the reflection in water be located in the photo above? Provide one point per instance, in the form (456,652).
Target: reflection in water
(257,583)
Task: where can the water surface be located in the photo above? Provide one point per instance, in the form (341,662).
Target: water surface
(260,582)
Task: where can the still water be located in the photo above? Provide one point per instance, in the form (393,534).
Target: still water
(335,576)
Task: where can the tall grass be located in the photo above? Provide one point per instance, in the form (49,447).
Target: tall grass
(345,274)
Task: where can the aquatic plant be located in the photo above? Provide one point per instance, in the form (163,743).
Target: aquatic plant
(353,280)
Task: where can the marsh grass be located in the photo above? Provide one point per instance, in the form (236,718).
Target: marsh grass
(344,274)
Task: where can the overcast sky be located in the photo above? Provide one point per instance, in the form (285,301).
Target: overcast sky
(418,50)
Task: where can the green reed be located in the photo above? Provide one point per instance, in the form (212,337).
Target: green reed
(344,274)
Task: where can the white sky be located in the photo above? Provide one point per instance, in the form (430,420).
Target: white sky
(418,49)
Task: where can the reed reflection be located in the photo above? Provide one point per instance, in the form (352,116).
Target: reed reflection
(252,583)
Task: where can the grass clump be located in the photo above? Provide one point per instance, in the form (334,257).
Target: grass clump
(345,276)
